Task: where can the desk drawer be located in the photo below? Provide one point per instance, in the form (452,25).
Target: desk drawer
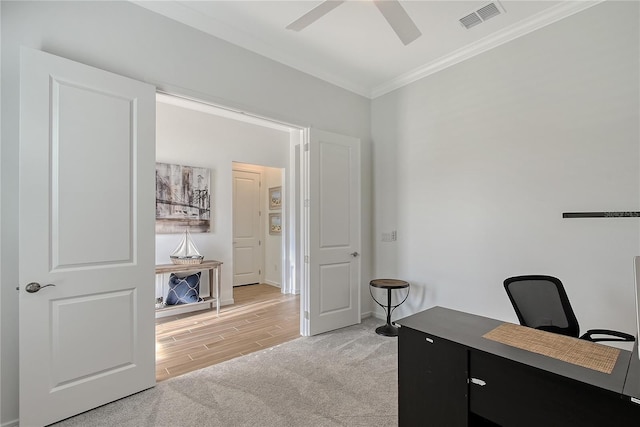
(514,394)
(432,381)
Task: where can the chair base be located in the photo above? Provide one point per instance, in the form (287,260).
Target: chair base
(387,330)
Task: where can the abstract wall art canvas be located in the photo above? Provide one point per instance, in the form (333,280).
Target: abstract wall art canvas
(182,198)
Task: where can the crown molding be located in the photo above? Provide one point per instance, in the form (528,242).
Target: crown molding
(540,20)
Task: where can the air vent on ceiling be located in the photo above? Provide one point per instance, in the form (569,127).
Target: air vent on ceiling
(479,16)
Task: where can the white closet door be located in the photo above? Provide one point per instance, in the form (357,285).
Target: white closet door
(247,249)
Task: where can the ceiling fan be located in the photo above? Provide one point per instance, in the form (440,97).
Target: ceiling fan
(392,11)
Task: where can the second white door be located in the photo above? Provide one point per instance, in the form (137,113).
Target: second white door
(332,298)
(247,249)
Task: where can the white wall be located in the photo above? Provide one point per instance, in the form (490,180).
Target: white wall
(1,227)
(129,40)
(273,243)
(475,165)
(195,138)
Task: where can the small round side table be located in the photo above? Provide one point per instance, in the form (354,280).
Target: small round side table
(388,330)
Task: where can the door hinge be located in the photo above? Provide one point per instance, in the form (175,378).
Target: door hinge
(307,203)
(259,271)
(259,242)
(259,213)
(306,259)
(306,315)
(306,146)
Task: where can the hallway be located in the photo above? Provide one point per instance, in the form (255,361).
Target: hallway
(261,317)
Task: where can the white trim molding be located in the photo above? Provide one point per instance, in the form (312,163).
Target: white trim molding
(13,423)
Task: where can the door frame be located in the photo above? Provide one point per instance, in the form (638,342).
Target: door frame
(291,263)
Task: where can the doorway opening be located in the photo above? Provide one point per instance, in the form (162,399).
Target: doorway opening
(235,148)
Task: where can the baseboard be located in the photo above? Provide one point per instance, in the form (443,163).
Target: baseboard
(270,283)
(14,423)
(380,316)
(373,314)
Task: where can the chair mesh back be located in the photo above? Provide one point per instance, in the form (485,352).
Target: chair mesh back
(541,302)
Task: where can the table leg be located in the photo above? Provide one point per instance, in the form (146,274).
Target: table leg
(218,290)
(388,330)
(388,307)
(211,286)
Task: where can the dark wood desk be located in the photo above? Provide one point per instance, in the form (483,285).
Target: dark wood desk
(632,384)
(449,375)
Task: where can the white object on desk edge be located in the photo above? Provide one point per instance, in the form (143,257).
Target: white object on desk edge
(478,381)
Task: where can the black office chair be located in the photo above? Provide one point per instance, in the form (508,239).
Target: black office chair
(542,303)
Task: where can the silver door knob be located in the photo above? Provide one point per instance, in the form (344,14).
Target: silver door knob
(354,254)
(35,287)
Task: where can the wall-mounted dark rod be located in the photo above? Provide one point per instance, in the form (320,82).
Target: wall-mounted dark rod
(601,214)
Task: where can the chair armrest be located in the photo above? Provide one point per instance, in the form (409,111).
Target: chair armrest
(620,336)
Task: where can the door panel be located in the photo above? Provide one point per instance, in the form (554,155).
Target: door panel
(247,251)
(333,219)
(87,165)
(334,194)
(109,347)
(334,295)
(83,196)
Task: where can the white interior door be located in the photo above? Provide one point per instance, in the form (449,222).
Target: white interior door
(332,299)
(247,249)
(87,157)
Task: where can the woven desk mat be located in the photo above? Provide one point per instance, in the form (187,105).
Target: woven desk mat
(568,349)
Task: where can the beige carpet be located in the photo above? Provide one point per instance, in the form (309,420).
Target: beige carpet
(346,377)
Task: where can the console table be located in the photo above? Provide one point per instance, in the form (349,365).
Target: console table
(449,375)
(209,265)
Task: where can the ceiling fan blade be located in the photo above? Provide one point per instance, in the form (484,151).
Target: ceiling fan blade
(399,20)
(314,14)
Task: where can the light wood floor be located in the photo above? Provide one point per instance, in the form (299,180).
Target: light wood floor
(261,317)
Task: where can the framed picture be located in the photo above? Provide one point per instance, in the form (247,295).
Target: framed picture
(275,224)
(275,197)
(182,198)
